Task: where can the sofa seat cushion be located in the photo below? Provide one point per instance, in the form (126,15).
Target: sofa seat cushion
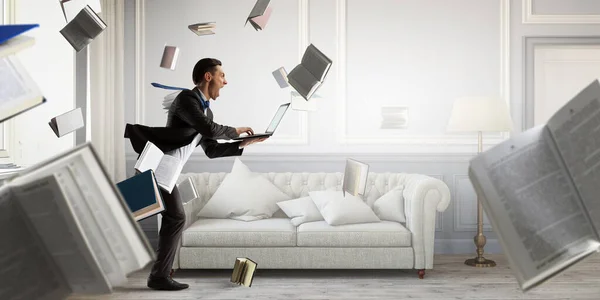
(273,232)
(380,234)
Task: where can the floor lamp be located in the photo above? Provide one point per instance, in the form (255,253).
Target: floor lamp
(479,114)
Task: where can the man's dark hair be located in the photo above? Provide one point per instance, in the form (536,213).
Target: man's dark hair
(202,66)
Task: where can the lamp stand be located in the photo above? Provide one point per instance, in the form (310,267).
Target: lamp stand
(480,239)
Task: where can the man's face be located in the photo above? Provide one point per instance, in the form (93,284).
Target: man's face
(216,83)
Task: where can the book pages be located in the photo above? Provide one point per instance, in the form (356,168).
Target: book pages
(67,122)
(19,92)
(200,29)
(532,205)
(355,177)
(63,236)
(575,130)
(83,29)
(28,270)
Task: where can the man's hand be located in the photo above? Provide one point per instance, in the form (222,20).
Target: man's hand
(247,142)
(240,130)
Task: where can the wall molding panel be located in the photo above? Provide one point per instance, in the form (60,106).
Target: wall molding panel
(448,139)
(458,199)
(528,17)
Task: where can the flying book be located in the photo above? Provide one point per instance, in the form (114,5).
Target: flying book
(207,28)
(281,77)
(169,57)
(309,75)
(243,271)
(12,40)
(540,190)
(301,104)
(19,92)
(71,8)
(166,167)
(260,14)
(83,29)
(355,177)
(168,99)
(187,190)
(67,122)
(65,230)
(142,195)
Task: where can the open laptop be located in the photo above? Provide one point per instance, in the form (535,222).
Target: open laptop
(271,129)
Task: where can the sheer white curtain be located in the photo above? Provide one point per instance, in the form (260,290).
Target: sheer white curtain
(107,98)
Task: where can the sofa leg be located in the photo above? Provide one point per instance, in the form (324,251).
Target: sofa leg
(421,273)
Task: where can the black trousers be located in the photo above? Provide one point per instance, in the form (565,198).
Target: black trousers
(173,221)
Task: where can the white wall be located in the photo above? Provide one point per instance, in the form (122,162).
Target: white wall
(420,54)
(50,63)
(416,54)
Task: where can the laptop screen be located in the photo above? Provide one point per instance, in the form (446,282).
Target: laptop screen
(277,118)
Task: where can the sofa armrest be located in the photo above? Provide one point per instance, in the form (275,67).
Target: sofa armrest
(424,196)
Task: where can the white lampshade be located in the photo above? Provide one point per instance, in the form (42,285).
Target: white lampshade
(479,114)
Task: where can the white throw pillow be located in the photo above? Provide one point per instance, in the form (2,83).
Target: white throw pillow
(339,210)
(390,206)
(243,195)
(300,210)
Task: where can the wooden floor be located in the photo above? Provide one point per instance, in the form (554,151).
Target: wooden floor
(450,279)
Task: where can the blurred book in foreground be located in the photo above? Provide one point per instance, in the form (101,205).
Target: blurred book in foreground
(67,230)
(19,93)
(243,271)
(200,29)
(83,29)
(539,189)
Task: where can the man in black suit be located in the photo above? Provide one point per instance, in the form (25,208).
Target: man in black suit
(189,120)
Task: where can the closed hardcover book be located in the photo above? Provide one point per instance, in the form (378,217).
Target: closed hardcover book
(142,195)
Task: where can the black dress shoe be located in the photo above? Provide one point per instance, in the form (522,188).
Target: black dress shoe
(165,284)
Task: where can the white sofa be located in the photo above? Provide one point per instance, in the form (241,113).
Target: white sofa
(275,243)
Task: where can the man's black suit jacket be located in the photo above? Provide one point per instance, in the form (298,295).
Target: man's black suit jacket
(185,119)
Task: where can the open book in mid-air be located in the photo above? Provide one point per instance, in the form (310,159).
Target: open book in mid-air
(83,28)
(19,93)
(540,190)
(207,28)
(67,122)
(260,14)
(65,229)
(355,177)
(166,167)
(309,75)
